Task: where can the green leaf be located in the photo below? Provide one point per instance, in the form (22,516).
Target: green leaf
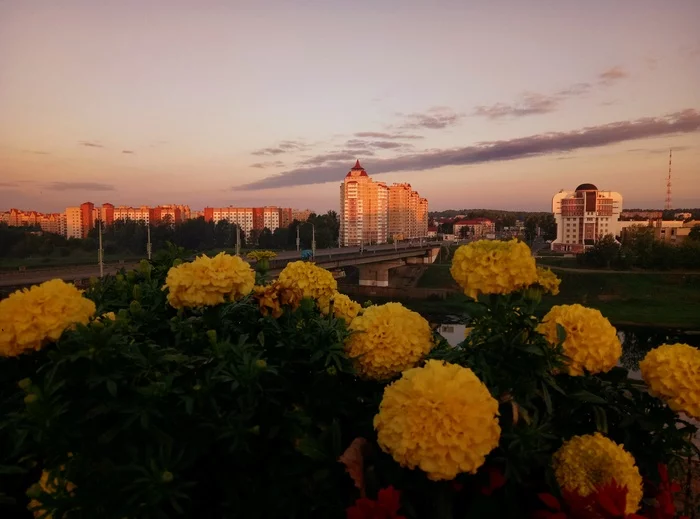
(311,449)
(10,469)
(534,349)
(561,333)
(601,419)
(547,398)
(112,388)
(587,396)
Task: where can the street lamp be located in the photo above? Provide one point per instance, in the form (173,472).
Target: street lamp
(148,245)
(100,253)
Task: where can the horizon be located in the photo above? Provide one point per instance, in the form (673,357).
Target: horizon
(267,103)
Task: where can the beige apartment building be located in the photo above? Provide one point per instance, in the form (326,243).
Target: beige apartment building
(372,212)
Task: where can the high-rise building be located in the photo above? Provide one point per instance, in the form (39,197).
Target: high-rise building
(47,222)
(364,206)
(107,214)
(585,215)
(74,222)
(371,212)
(408,213)
(87,218)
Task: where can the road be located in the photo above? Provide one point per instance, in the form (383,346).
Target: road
(71,273)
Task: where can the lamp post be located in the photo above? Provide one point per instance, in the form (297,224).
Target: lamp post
(148,245)
(100,253)
(238,240)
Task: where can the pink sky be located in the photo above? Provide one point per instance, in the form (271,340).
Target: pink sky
(476,104)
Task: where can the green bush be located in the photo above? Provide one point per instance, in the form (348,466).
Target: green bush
(224,412)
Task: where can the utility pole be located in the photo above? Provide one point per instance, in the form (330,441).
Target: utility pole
(667,205)
(298,225)
(148,245)
(238,241)
(100,253)
(313,241)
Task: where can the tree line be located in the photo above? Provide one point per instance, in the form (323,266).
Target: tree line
(639,248)
(131,237)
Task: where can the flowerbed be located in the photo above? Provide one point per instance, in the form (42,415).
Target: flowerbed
(204,390)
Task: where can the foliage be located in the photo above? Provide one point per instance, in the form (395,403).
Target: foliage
(641,249)
(223,411)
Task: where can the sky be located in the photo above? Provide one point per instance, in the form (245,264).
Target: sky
(496,104)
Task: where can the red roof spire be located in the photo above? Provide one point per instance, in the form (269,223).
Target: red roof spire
(357,165)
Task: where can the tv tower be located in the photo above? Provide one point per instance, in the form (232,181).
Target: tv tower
(667,206)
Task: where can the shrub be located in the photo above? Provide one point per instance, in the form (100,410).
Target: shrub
(252,407)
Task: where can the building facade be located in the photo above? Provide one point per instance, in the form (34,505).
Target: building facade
(364,203)
(372,212)
(251,218)
(475,228)
(47,222)
(585,215)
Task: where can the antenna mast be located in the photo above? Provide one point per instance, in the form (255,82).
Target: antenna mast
(667,206)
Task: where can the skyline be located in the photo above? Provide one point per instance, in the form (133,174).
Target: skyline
(271,104)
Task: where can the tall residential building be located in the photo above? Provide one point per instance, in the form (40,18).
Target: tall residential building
(408,213)
(364,204)
(371,212)
(74,222)
(87,218)
(251,218)
(584,216)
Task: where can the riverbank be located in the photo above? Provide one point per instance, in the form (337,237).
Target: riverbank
(646,299)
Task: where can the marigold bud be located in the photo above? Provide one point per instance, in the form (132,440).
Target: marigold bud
(211,335)
(30,399)
(261,363)
(167,477)
(25,383)
(135,308)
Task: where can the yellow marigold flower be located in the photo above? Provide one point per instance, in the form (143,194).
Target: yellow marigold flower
(440,418)
(313,281)
(586,462)
(50,487)
(591,341)
(109,316)
(672,372)
(273,297)
(387,340)
(343,307)
(32,317)
(258,255)
(548,280)
(493,267)
(209,281)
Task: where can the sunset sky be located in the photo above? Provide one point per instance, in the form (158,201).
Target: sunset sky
(494,104)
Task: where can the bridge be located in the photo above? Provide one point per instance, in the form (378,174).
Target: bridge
(373,263)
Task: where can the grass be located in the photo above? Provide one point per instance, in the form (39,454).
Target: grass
(75,258)
(558,261)
(670,299)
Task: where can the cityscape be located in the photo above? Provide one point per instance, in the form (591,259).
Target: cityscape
(349,260)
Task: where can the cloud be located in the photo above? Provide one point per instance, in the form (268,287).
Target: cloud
(90,144)
(8,184)
(657,151)
(388,136)
(345,155)
(270,164)
(282,147)
(128,151)
(529,104)
(686,121)
(80,186)
(36,152)
(613,74)
(690,51)
(435,118)
(532,103)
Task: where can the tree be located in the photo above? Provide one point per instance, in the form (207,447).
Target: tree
(694,234)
